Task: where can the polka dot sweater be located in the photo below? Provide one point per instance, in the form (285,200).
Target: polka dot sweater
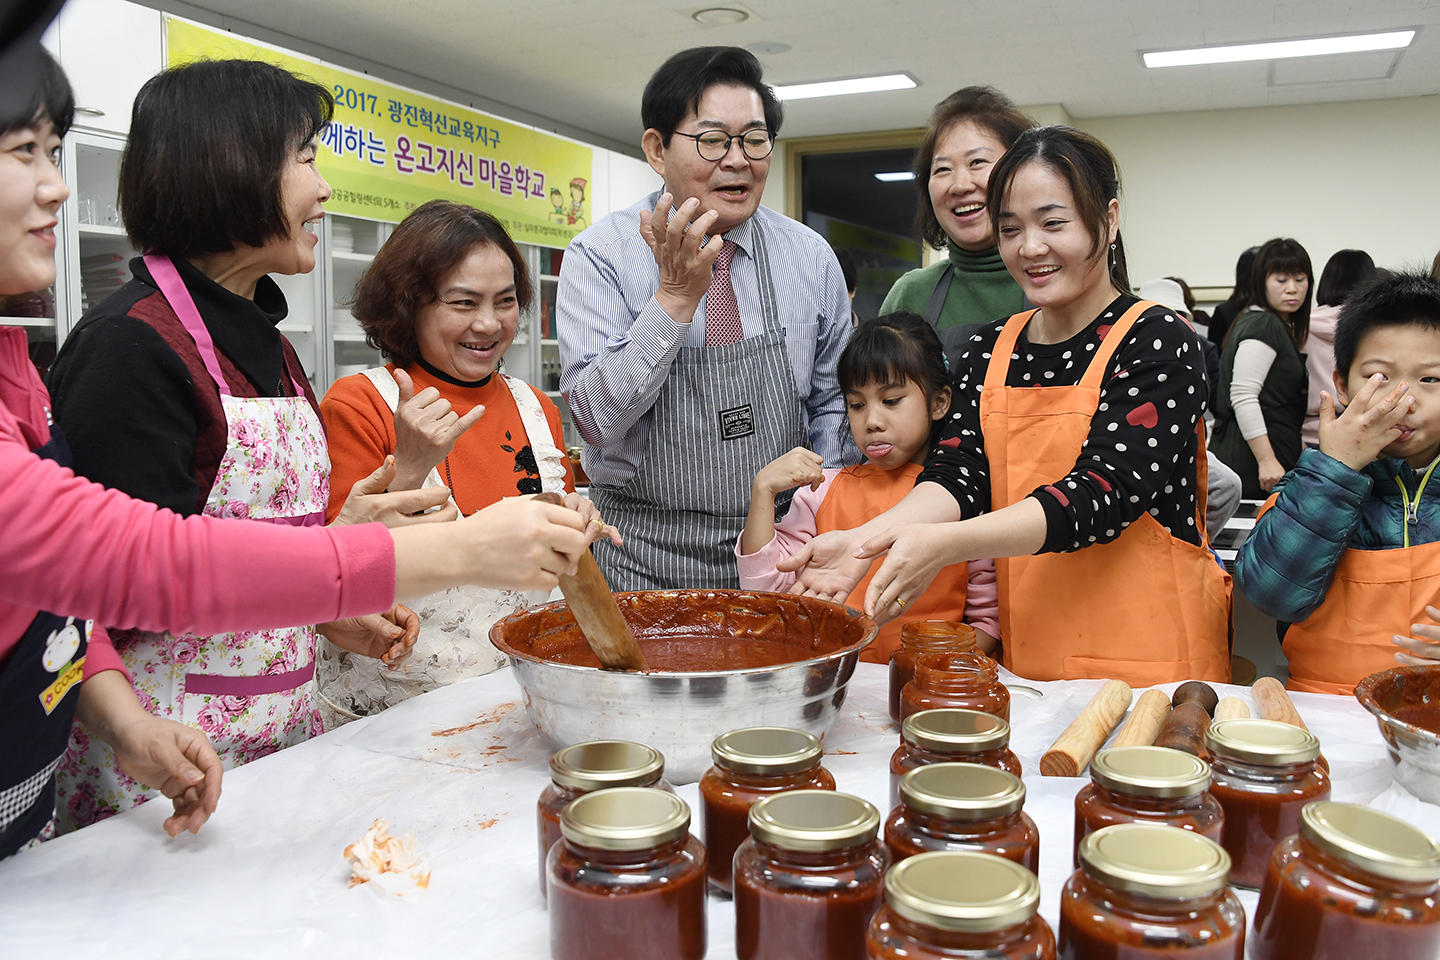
(1140,454)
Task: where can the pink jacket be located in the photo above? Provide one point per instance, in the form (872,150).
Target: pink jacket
(757,570)
(1320,364)
(77,549)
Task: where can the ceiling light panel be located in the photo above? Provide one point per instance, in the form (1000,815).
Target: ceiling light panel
(895,177)
(838,88)
(1280,49)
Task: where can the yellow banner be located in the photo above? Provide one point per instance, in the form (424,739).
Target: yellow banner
(390,149)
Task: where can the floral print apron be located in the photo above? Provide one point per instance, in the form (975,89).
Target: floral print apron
(454,641)
(251,693)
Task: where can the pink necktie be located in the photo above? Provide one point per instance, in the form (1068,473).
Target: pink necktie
(722,313)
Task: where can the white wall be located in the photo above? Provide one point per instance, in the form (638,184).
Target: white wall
(1201,187)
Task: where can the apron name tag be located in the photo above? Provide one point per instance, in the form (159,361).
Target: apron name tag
(737,422)
(51,696)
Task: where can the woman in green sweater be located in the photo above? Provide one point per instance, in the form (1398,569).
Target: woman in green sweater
(968,133)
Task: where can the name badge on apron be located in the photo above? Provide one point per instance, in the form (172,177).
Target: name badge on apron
(737,422)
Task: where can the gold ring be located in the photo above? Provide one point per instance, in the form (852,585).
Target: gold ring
(599,523)
(900,603)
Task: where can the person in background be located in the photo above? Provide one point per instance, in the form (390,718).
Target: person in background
(689,365)
(1226,312)
(1071,453)
(1347,551)
(897,391)
(1223,486)
(95,556)
(969,132)
(1435,268)
(847,269)
(442,302)
(1197,318)
(1263,383)
(1345,272)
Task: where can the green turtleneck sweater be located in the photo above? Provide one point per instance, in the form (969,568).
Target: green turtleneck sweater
(981,290)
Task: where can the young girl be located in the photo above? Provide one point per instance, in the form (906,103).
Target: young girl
(896,391)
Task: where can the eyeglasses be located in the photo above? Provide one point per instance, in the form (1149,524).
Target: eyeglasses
(714,145)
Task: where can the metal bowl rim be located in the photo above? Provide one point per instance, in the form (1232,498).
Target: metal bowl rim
(1365,693)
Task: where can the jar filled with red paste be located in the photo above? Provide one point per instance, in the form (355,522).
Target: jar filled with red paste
(750,765)
(919,637)
(1263,773)
(628,879)
(1146,891)
(939,906)
(970,681)
(583,767)
(963,806)
(809,878)
(1152,784)
(951,736)
(1354,882)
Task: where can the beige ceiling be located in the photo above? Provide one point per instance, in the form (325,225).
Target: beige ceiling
(584,62)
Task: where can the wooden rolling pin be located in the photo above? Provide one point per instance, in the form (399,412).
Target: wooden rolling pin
(1070,753)
(1273,703)
(1232,708)
(1145,720)
(595,610)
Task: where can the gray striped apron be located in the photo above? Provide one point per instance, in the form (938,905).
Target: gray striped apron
(723,414)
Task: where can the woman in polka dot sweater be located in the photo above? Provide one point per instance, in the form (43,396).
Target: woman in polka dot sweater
(1073,453)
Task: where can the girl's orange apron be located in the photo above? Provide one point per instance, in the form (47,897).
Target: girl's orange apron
(1375,595)
(858,495)
(1146,607)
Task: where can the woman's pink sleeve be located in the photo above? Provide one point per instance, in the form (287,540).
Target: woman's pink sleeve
(757,570)
(982,598)
(100,655)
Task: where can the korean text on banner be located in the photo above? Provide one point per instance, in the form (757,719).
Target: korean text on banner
(389,149)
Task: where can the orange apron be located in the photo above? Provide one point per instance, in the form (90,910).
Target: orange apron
(1375,595)
(860,494)
(1145,608)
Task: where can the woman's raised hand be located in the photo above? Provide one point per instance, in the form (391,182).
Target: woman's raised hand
(685,266)
(426,429)
(914,555)
(368,502)
(595,525)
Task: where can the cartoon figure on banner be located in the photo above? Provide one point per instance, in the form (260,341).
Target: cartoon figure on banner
(557,199)
(576,216)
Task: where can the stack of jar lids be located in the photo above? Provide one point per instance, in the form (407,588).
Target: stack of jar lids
(962,891)
(1150,772)
(962,791)
(1373,841)
(625,818)
(766,751)
(1265,742)
(1155,860)
(599,764)
(814,821)
(954,730)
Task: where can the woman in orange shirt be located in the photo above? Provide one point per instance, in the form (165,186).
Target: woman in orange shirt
(442,302)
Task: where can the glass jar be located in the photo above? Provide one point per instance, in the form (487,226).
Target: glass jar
(583,767)
(1146,891)
(963,806)
(627,879)
(1153,784)
(919,637)
(951,736)
(967,680)
(752,764)
(1263,772)
(939,906)
(809,878)
(1354,882)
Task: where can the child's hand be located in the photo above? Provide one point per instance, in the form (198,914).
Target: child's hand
(1424,647)
(791,470)
(1369,425)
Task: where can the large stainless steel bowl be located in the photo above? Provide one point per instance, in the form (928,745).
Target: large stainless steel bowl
(680,713)
(1415,750)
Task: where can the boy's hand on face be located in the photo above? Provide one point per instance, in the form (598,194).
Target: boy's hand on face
(1369,424)
(1423,648)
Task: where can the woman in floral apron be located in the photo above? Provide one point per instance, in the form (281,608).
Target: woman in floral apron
(179,389)
(442,299)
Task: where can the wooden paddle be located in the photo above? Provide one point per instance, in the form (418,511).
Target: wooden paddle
(596,612)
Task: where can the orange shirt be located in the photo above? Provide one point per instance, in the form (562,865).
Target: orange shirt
(489,462)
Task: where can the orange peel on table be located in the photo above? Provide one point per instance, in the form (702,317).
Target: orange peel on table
(390,862)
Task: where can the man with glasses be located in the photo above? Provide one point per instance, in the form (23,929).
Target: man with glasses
(699,332)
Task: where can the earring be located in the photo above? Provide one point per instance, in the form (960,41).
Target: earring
(1112,248)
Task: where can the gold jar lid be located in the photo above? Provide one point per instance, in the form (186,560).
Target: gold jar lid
(1373,841)
(625,818)
(766,751)
(1150,772)
(814,821)
(599,764)
(962,891)
(953,730)
(962,791)
(1268,743)
(1155,860)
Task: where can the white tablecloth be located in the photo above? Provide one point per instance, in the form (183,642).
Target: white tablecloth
(463,767)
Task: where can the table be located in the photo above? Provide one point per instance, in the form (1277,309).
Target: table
(463,767)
